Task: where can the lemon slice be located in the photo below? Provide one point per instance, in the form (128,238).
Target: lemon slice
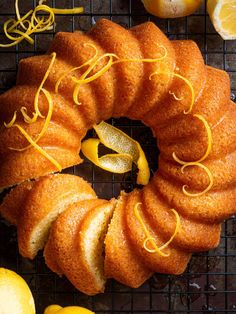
(15,295)
(223,17)
(171,8)
(56,309)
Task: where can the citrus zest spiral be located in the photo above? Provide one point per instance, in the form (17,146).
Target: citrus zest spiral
(93,62)
(175,97)
(84,79)
(121,143)
(10,124)
(47,120)
(36,146)
(208,172)
(88,62)
(30,23)
(145,60)
(150,239)
(116,163)
(188,83)
(209,142)
(36,114)
(128,151)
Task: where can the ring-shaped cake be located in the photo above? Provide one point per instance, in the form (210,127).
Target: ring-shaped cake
(167,86)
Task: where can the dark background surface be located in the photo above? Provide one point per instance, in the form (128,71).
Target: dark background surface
(209,284)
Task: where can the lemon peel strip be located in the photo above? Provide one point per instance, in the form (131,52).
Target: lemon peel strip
(150,239)
(84,79)
(189,84)
(29,120)
(41,25)
(147,234)
(116,163)
(175,97)
(37,112)
(148,60)
(88,62)
(208,172)
(36,99)
(209,142)
(121,143)
(10,124)
(18,15)
(47,120)
(36,146)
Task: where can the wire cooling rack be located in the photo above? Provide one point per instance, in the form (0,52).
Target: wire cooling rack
(209,284)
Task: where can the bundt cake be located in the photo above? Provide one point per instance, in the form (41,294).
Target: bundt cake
(114,72)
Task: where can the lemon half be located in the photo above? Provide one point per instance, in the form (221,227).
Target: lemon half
(171,8)
(15,295)
(223,17)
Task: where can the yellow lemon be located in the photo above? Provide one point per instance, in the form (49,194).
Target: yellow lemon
(223,17)
(56,309)
(15,295)
(171,8)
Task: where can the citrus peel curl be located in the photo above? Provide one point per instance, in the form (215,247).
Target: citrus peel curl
(94,61)
(36,146)
(209,142)
(128,150)
(188,83)
(36,114)
(116,163)
(30,23)
(150,239)
(88,62)
(198,163)
(208,172)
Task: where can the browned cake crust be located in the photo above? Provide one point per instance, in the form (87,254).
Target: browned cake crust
(162,102)
(13,204)
(62,242)
(121,261)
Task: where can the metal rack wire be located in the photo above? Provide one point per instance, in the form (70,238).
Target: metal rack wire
(209,284)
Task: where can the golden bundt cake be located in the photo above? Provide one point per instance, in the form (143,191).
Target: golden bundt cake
(139,74)
(77,242)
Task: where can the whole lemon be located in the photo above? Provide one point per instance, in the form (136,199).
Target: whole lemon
(15,295)
(171,8)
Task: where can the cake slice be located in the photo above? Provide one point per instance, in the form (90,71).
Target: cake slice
(80,256)
(50,196)
(121,262)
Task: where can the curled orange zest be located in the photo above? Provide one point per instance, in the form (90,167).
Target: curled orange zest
(150,239)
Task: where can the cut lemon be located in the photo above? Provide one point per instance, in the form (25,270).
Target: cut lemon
(171,8)
(223,17)
(15,295)
(56,309)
